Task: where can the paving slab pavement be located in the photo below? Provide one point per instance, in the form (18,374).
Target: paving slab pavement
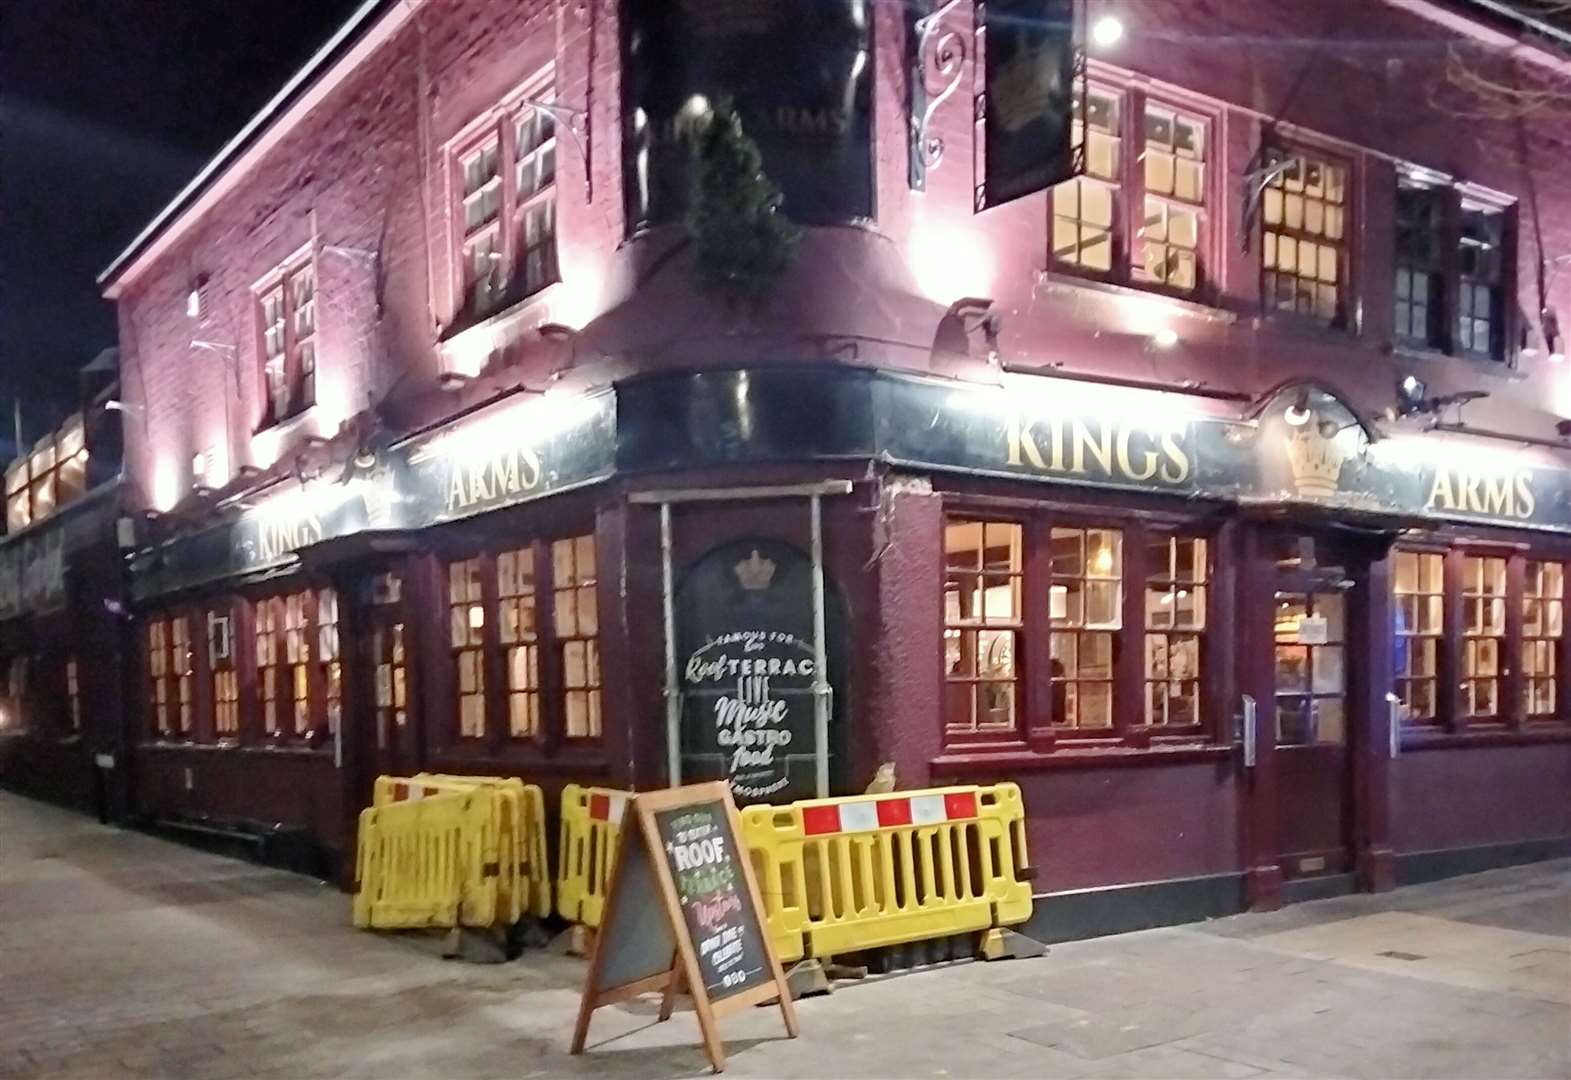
(122,955)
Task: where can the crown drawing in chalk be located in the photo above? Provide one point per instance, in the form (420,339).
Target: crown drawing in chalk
(755,572)
(1314,456)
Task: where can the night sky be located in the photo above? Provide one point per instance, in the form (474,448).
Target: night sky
(107,109)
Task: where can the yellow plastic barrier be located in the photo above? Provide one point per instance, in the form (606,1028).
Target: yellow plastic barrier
(499,853)
(842,875)
(591,825)
(412,860)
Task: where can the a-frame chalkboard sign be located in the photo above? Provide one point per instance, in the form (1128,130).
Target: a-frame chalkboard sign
(683,916)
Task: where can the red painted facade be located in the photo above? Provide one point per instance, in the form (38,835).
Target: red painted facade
(361,174)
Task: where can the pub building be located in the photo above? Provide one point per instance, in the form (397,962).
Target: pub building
(1199,468)
(62,613)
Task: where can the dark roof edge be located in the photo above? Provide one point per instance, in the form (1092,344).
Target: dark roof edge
(1511,13)
(362,19)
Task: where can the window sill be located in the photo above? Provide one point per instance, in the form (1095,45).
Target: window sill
(985,759)
(286,427)
(1056,281)
(510,312)
(568,757)
(1306,329)
(1536,735)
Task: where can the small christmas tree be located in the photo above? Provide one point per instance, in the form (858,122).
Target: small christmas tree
(741,241)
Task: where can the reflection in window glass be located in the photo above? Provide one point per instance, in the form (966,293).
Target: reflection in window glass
(982,605)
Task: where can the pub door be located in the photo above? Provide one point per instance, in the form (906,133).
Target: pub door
(384,649)
(1314,707)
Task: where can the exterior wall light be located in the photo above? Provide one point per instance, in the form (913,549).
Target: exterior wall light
(1107,31)
(1165,338)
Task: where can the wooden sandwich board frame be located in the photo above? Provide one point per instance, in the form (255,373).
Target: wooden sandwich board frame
(631,921)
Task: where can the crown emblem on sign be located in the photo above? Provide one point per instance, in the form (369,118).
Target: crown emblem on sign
(1316,460)
(755,572)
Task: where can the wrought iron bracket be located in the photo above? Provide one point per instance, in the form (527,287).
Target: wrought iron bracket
(568,119)
(938,62)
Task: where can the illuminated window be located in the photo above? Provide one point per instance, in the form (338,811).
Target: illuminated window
(297,655)
(226,680)
(1083,208)
(181,668)
(576,622)
(158,676)
(269,658)
(506,208)
(466,611)
(1418,588)
(392,693)
(1175,629)
(1085,607)
(1543,621)
(1480,296)
(983,590)
(329,658)
(1304,246)
(73,690)
(1483,633)
(515,579)
(287,310)
(1169,249)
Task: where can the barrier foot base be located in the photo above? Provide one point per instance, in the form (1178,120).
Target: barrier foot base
(576,940)
(488,946)
(1001,944)
(807,978)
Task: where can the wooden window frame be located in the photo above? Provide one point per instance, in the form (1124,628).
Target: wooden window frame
(498,126)
(1439,679)
(1036,730)
(1341,319)
(299,689)
(1129,189)
(224,674)
(73,693)
(1509,603)
(978,623)
(551,732)
(1553,642)
(300,359)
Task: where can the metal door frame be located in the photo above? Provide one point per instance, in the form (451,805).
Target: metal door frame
(814,493)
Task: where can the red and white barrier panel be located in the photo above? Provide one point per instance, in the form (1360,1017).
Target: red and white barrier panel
(410,792)
(891,813)
(607,806)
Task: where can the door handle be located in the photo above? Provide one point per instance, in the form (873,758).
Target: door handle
(1248,725)
(1393,725)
